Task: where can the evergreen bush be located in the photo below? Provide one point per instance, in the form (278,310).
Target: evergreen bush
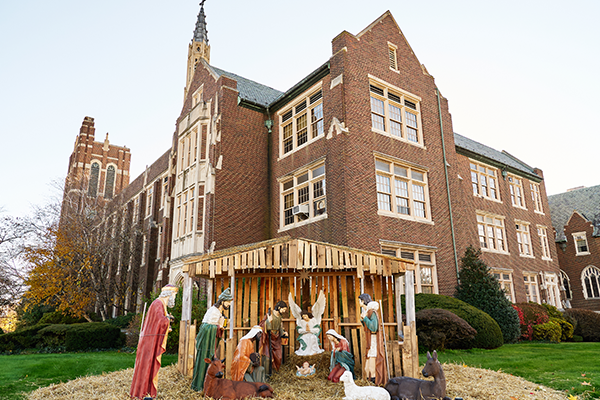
(585,322)
(121,321)
(439,329)
(565,327)
(94,335)
(489,335)
(21,339)
(56,317)
(479,288)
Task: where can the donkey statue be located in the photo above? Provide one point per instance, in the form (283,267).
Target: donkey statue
(217,387)
(405,388)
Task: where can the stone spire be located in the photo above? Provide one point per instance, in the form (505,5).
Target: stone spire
(198,49)
(200,33)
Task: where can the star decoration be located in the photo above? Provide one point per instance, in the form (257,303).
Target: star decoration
(304,275)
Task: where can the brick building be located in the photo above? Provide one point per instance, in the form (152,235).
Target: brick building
(359,153)
(576,221)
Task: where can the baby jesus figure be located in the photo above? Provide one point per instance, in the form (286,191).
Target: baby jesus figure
(306,369)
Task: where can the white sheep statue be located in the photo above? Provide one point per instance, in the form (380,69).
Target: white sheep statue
(354,392)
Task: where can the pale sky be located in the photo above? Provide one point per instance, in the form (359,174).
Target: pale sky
(520,76)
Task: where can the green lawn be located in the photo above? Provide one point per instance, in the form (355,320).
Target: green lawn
(27,372)
(562,366)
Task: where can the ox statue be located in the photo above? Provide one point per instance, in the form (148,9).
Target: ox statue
(405,388)
(218,388)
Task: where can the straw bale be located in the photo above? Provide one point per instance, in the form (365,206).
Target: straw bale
(466,382)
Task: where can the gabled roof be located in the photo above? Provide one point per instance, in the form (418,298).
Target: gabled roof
(500,159)
(251,91)
(585,201)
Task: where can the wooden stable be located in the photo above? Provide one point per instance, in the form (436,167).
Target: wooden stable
(263,273)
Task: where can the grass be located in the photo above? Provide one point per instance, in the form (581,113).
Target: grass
(562,366)
(27,372)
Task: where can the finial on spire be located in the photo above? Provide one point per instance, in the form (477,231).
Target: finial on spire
(200,33)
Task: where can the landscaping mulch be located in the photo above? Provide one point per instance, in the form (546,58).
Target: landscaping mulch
(466,382)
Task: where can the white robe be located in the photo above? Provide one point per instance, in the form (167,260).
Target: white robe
(308,334)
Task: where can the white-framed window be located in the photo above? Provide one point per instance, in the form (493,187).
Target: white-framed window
(393,56)
(149,195)
(506,283)
(532,290)
(566,285)
(136,210)
(178,231)
(516,191)
(165,191)
(484,181)
(543,234)
(395,112)
(191,209)
(303,196)
(94,179)
(590,280)
(302,122)
(402,190)
(523,238)
(581,244)
(425,267)
(536,197)
(551,282)
(492,235)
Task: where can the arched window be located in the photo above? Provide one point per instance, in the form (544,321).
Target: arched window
(110,182)
(94,177)
(566,285)
(590,278)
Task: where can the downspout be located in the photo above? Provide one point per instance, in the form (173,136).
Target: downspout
(269,126)
(437,93)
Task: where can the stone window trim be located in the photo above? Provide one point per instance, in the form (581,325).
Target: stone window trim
(390,109)
(550,282)
(590,282)
(393,56)
(491,228)
(566,285)
(505,278)
(304,186)
(424,257)
(484,181)
(524,238)
(302,120)
(581,244)
(543,235)
(406,190)
(517,195)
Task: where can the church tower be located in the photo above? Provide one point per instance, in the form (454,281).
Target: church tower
(198,48)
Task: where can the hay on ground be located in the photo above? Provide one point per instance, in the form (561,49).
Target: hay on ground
(466,382)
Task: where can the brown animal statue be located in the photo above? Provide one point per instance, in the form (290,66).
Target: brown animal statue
(218,388)
(405,388)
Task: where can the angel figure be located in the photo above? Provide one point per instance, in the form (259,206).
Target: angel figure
(308,325)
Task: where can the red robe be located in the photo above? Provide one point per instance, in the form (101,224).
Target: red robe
(152,345)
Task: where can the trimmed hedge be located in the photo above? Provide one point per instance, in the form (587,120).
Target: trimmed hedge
(69,337)
(439,329)
(56,317)
(21,339)
(489,335)
(586,323)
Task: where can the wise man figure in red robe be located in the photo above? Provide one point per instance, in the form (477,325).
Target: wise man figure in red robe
(152,344)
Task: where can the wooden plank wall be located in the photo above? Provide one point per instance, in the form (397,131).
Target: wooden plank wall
(256,292)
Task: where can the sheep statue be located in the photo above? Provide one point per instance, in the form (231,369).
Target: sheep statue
(354,392)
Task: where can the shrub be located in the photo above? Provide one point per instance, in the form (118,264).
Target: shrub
(489,335)
(530,314)
(565,327)
(56,317)
(585,323)
(552,311)
(549,331)
(21,339)
(94,335)
(53,336)
(479,288)
(439,329)
(121,321)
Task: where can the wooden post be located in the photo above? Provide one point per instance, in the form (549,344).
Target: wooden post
(410,296)
(229,344)
(186,307)
(209,293)
(397,285)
